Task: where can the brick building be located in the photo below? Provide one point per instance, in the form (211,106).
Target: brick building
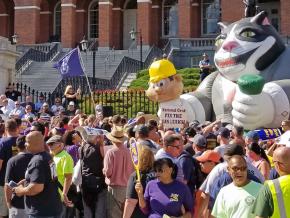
(110,21)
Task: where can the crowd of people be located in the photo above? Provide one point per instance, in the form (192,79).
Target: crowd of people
(56,161)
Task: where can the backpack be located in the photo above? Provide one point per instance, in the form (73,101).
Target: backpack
(197,176)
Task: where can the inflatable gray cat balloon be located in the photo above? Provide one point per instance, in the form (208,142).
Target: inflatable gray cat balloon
(250,46)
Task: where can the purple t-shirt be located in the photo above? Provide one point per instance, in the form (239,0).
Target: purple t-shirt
(167,198)
(73,151)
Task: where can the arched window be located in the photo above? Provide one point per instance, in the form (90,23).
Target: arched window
(170,18)
(57,20)
(211,15)
(94,20)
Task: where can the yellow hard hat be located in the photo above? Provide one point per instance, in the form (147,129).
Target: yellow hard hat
(161,69)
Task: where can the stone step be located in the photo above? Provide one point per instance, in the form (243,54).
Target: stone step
(43,77)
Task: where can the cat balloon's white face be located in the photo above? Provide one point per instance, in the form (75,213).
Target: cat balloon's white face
(244,47)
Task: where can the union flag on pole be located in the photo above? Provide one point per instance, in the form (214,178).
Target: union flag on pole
(70,65)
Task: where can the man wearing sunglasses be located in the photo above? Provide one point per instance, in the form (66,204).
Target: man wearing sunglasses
(172,148)
(237,199)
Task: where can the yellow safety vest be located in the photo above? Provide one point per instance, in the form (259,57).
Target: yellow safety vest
(280,190)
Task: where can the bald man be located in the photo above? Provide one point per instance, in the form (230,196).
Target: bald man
(39,187)
(274,198)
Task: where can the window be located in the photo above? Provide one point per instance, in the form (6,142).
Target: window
(170,18)
(94,20)
(210,16)
(57,20)
(131,4)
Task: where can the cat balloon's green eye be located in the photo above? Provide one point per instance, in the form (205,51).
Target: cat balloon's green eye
(219,42)
(248,34)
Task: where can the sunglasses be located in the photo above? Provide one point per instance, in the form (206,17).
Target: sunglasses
(159,170)
(236,169)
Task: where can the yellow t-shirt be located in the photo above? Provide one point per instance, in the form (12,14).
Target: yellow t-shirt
(64,165)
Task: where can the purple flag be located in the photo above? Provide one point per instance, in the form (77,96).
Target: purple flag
(70,64)
(134,152)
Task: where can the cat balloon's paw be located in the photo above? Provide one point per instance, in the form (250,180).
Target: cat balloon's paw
(252,111)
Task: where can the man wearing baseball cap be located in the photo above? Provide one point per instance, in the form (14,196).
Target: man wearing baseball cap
(252,137)
(198,144)
(64,168)
(224,139)
(208,160)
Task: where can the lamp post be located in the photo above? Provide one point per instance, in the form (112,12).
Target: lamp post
(14,39)
(133,35)
(84,47)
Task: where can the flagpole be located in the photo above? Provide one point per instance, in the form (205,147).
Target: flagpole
(83,66)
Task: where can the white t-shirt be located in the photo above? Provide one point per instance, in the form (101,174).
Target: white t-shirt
(236,202)
(219,169)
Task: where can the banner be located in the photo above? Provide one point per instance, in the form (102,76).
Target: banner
(266,134)
(173,117)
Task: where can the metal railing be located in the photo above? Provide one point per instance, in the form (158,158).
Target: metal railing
(125,103)
(39,47)
(167,48)
(127,65)
(188,44)
(35,55)
(93,44)
(111,56)
(153,53)
(197,43)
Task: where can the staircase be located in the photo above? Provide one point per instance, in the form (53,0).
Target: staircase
(127,81)
(43,77)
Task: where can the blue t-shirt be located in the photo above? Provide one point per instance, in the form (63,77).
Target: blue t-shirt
(6,153)
(167,198)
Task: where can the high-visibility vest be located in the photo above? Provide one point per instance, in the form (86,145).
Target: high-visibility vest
(280,190)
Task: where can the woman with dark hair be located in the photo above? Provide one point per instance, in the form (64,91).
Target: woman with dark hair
(259,159)
(146,161)
(72,140)
(165,195)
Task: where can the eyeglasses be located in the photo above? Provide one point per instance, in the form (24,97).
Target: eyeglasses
(278,162)
(236,169)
